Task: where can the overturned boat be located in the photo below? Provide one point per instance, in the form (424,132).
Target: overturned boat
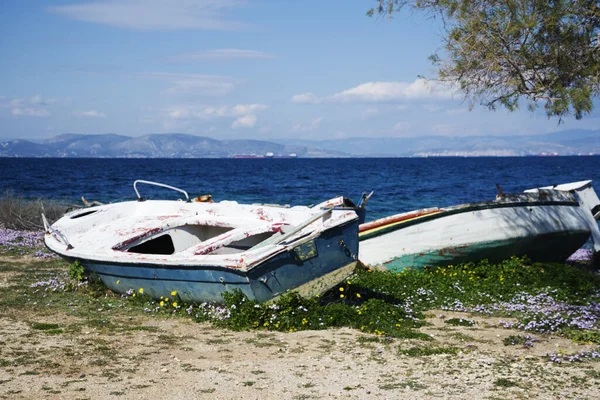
(545,224)
(202,249)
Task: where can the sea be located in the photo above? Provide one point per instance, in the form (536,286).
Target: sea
(398,184)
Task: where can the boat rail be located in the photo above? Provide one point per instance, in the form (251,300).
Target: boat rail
(140,198)
(56,233)
(280,239)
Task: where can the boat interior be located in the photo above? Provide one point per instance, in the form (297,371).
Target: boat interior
(201,239)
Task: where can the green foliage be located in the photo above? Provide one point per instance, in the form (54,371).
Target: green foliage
(460,322)
(503,382)
(392,304)
(417,351)
(76,271)
(583,336)
(42,326)
(499,51)
(514,340)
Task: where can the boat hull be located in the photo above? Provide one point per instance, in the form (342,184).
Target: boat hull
(314,266)
(544,231)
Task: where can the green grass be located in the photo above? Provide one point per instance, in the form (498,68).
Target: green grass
(459,322)
(426,351)
(385,304)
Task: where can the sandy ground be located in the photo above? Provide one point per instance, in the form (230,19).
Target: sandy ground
(153,356)
(177,358)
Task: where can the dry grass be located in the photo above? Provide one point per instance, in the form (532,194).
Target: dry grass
(22,214)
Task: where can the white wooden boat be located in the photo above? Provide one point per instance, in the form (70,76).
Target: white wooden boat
(546,224)
(201,250)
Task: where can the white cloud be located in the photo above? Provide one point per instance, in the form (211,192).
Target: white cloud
(90,114)
(383,92)
(247,121)
(220,54)
(370,112)
(30,112)
(241,109)
(244,115)
(389,91)
(210,112)
(154,14)
(35,106)
(311,126)
(196,84)
(306,98)
(403,126)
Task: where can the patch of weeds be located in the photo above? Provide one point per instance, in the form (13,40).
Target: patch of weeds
(108,374)
(29,373)
(257,372)
(218,341)
(583,336)
(248,383)
(117,393)
(307,385)
(514,340)
(209,390)
(258,343)
(44,326)
(459,322)
(463,337)
(4,363)
(417,351)
(169,339)
(592,374)
(99,362)
(368,339)
(76,271)
(141,386)
(143,328)
(503,382)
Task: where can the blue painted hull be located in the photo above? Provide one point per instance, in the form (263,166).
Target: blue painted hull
(544,248)
(280,273)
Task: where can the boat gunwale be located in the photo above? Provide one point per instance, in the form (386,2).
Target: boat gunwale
(386,228)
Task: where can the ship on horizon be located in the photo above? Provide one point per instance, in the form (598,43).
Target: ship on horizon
(266,155)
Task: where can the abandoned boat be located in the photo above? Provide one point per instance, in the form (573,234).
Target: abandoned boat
(545,224)
(201,250)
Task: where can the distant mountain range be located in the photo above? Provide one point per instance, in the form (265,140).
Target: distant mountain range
(176,145)
(172,145)
(568,142)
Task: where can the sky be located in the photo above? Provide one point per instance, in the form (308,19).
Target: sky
(233,69)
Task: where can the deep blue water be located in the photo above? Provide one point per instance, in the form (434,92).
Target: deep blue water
(400,184)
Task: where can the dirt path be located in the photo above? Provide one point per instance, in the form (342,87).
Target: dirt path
(177,358)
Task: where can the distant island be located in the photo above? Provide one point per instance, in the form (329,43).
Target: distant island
(177,145)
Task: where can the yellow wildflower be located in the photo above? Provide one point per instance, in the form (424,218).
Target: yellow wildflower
(341,296)
(118,281)
(358,295)
(141,290)
(174,304)
(162,303)
(341,289)
(166,299)
(173,293)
